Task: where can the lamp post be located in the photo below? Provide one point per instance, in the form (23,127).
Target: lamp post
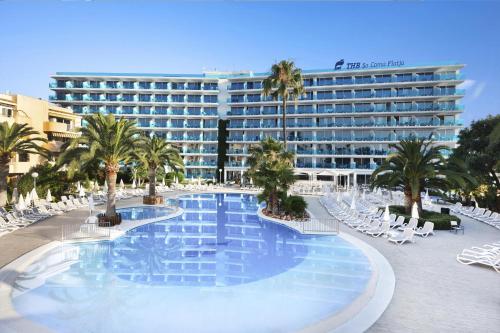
(220,176)
(34,175)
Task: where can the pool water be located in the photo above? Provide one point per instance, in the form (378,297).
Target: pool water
(217,267)
(144,212)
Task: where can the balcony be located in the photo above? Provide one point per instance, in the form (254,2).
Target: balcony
(53,126)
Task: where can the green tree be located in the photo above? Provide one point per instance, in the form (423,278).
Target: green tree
(414,166)
(271,167)
(479,147)
(105,139)
(16,139)
(285,82)
(155,152)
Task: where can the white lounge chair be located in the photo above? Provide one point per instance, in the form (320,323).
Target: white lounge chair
(405,236)
(426,230)
(490,259)
(412,224)
(399,222)
(382,230)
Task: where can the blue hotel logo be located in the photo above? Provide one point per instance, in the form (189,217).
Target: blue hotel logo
(364,65)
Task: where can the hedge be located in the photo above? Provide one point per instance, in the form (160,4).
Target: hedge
(441,221)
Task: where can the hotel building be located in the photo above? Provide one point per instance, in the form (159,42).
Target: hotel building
(54,123)
(340,129)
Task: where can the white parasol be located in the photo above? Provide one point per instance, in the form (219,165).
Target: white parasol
(414,211)
(91,204)
(34,195)
(122,185)
(49,196)
(163,181)
(105,187)
(15,195)
(133,183)
(21,203)
(81,192)
(353,202)
(386,214)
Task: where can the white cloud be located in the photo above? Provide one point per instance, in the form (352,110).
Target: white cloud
(467,84)
(478,90)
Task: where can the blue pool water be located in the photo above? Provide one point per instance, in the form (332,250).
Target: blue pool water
(216,268)
(144,212)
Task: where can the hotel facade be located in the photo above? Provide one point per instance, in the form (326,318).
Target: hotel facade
(340,129)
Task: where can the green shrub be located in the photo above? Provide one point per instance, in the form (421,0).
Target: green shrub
(295,205)
(441,221)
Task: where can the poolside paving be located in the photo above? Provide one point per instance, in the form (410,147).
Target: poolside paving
(434,293)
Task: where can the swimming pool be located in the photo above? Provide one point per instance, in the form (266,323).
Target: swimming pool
(216,268)
(144,212)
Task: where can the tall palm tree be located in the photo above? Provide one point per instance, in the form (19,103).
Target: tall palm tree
(105,139)
(156,152)
(414,166)
(285,82)
(271,167)
(16,139)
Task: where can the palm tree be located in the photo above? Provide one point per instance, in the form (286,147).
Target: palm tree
(154,153)
(414,166)
(285,82)
(271,167)
(105,139)
(16,139)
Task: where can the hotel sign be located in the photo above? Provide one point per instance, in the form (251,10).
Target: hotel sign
(368,65)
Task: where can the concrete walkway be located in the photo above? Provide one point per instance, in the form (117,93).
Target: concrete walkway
(435,293)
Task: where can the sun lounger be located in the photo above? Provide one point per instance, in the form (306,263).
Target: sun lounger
(405,236)
(426,230)
(381,230)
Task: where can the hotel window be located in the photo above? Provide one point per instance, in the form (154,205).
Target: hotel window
(210,86)
(178,98)
(111,84)
(177,111)
(325,81)
(95,84)
(237,85)
(210,123)
(269,123)
(254,85)
(161,85)
(308,82)
(177,85)
(161,98)
(341,122)
(305,109)
(365,93)
(111,109)
(127,110)
(78,84)
(237,111)
(144,97)
(382,92)
(363,107)
(210,98)
(253,110)
(128,85)
(237,98)
(61,84)
(144,110)
(343,94)
(307,96)
(363,121)
(344,80)
(194,86)
(269,110)
(194,111)
(406,77)
(383,78)
(24,157)
(210,111)
(324,95)
(127,97)
(143,122)
(403,92)
(425,91)
(325,108)
(253,98)
(425,106)
(6,112)
(363,79)
(94,108)
(77,109)
(112,97)
(343,108)
(236,123)
(160,110)
(252,123)
(144,85)
(194,98)
(403,106)
(425,76)
(381,107)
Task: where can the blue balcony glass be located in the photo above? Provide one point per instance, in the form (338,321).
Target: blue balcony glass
(210,111)
(253,111)
(193,86)
(237,99)
(253,98)
(363,80)
(237,86)
(324,95)
(194,99)
(325,81)
(210,86)
(383,78)
(177,98)
(254,85)
(344,80)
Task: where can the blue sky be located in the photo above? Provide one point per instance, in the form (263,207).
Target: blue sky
(188,37)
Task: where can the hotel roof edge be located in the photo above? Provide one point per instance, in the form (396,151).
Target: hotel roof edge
(247,74)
